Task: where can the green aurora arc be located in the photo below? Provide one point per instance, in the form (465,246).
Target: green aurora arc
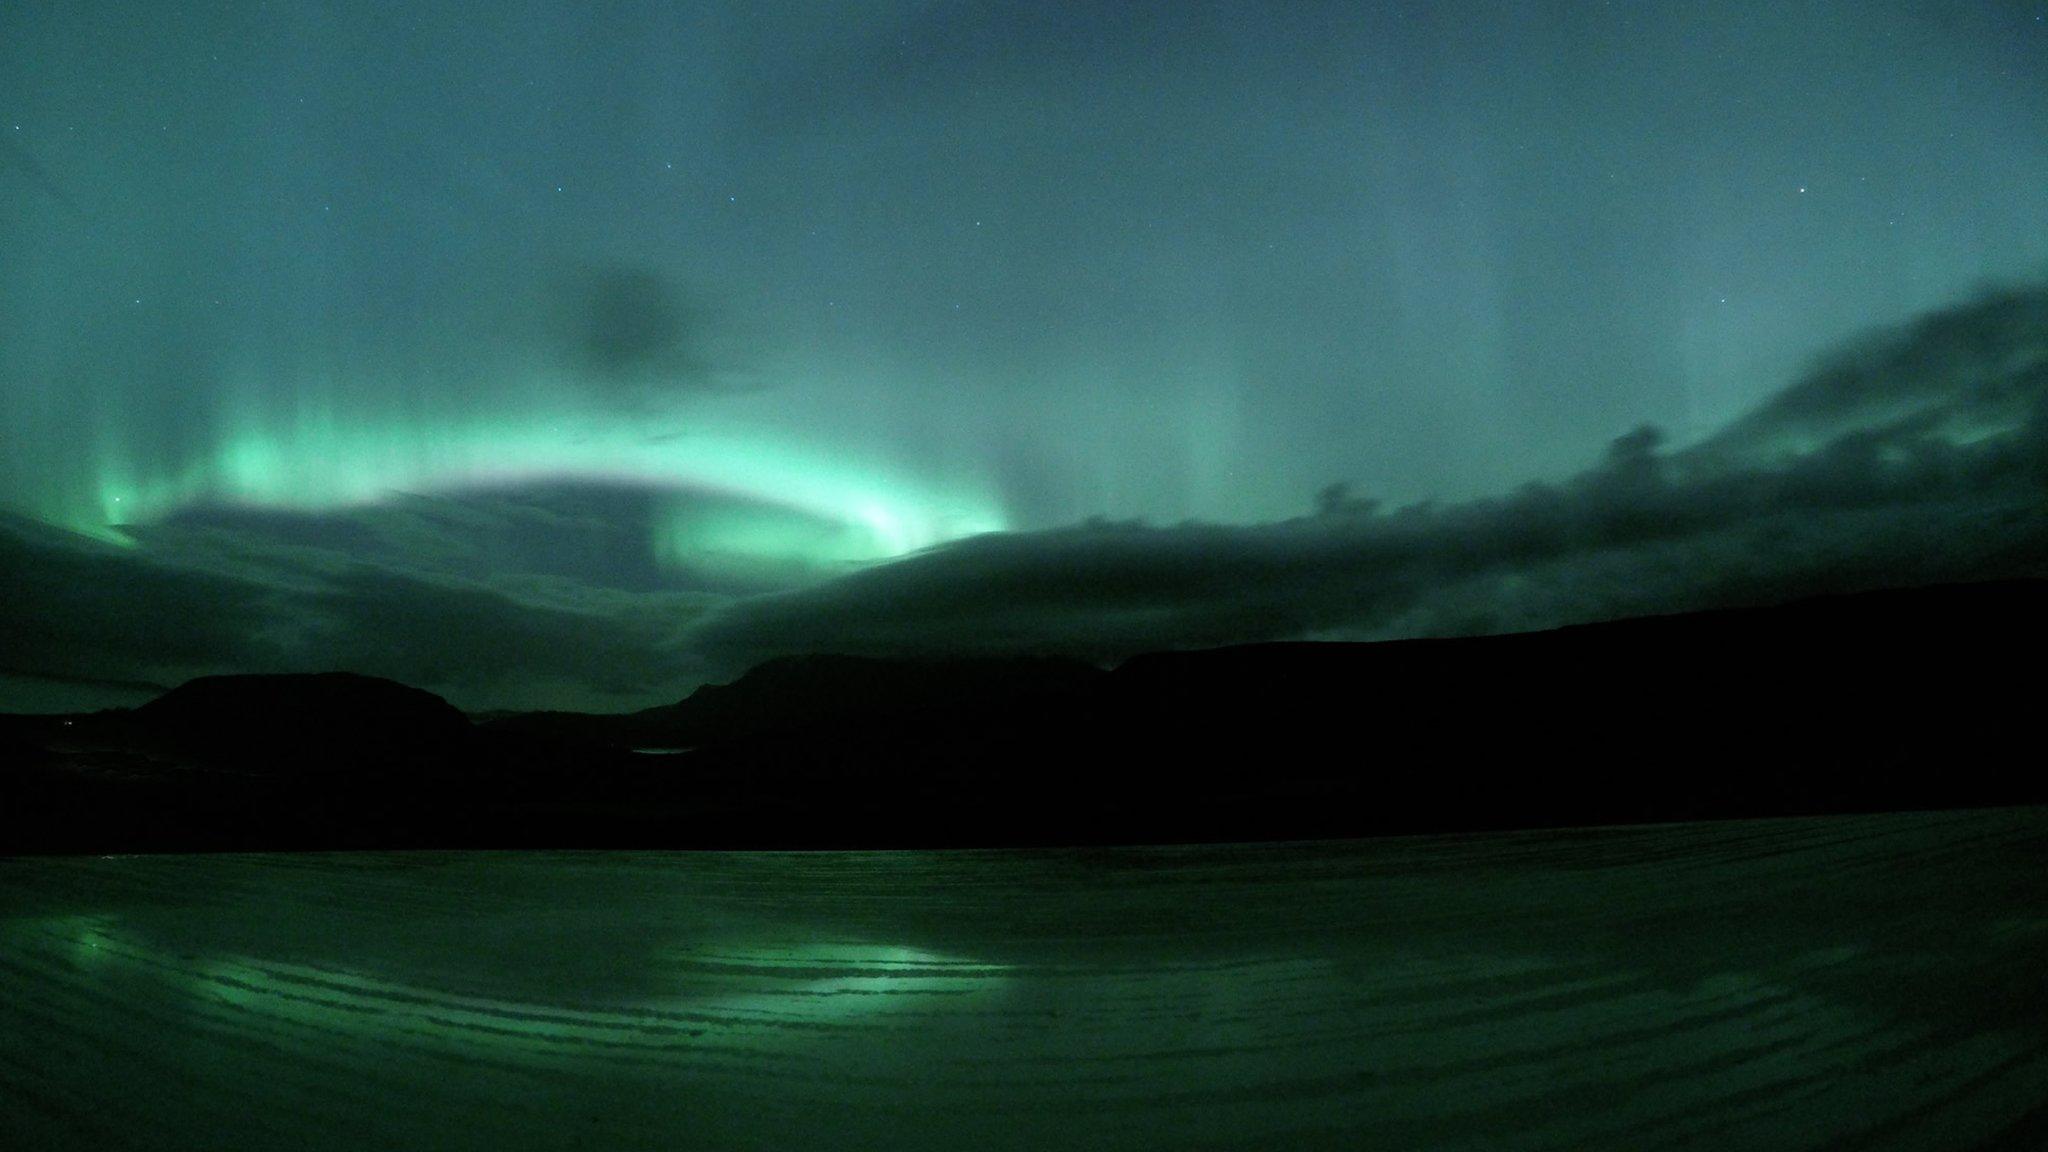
(772,499)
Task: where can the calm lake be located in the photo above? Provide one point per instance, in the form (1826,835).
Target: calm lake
(1864,982)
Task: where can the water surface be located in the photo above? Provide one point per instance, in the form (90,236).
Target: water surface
(1869,982)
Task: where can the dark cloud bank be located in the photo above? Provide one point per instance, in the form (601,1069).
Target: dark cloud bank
(1917,455)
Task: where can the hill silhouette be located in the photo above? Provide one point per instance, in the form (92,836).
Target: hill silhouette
(323,717)
(1908,698)
(800,693)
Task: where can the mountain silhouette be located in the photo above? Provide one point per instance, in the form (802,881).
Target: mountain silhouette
(799,693)
(1898,699)
(316,717)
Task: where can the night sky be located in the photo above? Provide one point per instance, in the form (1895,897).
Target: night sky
(573,355)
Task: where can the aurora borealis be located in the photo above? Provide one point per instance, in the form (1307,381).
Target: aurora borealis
(550,356)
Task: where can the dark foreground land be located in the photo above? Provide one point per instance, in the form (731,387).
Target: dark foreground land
(1909,699)
(1831,983)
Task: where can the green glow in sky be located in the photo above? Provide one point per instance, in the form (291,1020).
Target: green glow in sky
(779,500)
(718,301)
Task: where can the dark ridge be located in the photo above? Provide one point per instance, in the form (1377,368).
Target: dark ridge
(797,693)
(1893,700)
(321,716)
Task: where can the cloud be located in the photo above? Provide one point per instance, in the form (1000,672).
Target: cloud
(634,333)
(1920,456)
(579,533)
(478,645)
(18,161)
(1956,371)
(77,610)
